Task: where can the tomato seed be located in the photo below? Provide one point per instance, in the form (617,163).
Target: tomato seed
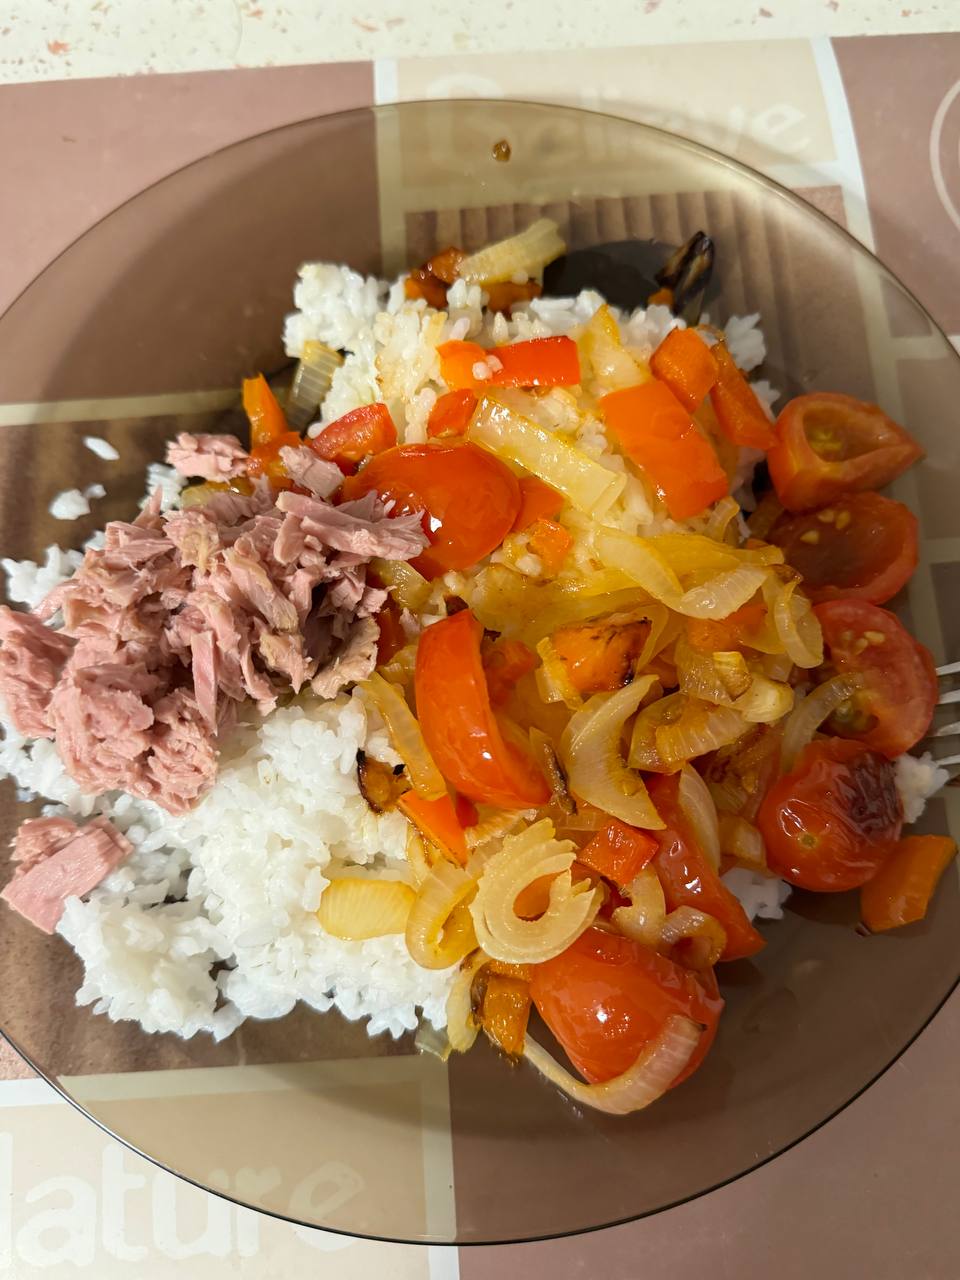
(812,536)
(843,519)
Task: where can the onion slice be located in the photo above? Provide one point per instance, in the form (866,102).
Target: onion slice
(643,919)
(406,737)
(795,622)
(697,806)
(742,841)
(462,1026)
(525,254)
(311,382)
(809,714)
(355,908)
(528,856)
(661,1061)
(439,930)
(593,761)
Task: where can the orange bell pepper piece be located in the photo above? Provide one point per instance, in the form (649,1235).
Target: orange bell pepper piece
(551,542)
(686,364)
(600,656)
(267,420)
(265,459)
(505,1012)
(740,415)
(901,890)
(456,363)
(392,635)
(504,663)
(659,435)
(451,415)
(538,501)
(713,636)
(619,852)
(541,362)
(437,820)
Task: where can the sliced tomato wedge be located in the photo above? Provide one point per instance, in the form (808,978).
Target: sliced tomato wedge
(863,546)
(656,432)
(473,750)
(689,880)
(829,824)
(829,445)
(469,497)
(606,996)
(894,706)
(358,434)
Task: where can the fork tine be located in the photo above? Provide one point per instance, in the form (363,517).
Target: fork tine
(951,669)
(945,698)
(947,761)
(946,730)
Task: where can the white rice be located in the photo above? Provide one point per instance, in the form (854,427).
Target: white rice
(918,778)
(102,448)
(28,582)
(762,897)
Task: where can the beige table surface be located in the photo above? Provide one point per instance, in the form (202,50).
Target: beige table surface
(873,126)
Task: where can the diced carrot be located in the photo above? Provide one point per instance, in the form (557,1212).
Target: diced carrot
(506,294)
(538,501)
(357,435)
(661,298)
(619,852)
(551,542)
(713,636)
(451,415)
(901,890)
(421,284)
(505,1012)
(267,420)
(686,364)
(601,656)
(656,432)
(740,415)
(437,820)
(504,662)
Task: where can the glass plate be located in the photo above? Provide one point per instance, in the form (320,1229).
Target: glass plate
(144,327)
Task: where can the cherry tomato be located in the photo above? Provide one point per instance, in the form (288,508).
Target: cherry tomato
(830,823)
(359,433)
(606,996)
(470,498)
(893,709)
(689,880)
(829,445)
(864,545)
(473,750)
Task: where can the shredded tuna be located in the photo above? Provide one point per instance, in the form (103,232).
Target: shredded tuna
(209,457)
(310,472)
(32,658)
(59,860)
(181,615)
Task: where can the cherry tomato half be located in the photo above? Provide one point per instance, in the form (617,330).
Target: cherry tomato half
(830,822)
(829,445)
(606,996)
(892,710)
(472,749)
(864,545)
(470,498)
(689,880)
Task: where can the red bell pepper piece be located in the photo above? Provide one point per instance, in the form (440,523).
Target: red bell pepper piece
(451,415)
(740,414)
(619,852)
(355,436)
(538,501)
